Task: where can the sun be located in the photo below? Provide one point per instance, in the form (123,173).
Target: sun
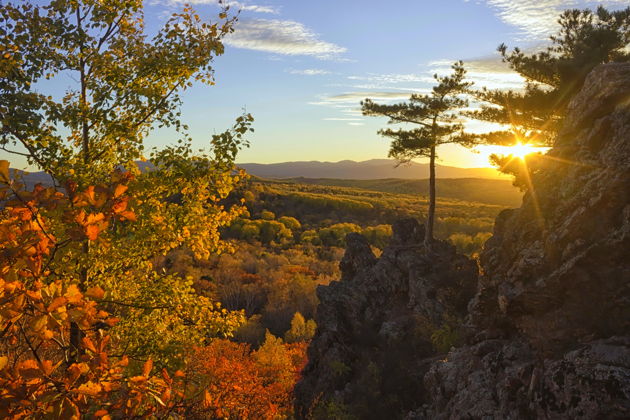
(520,150)
(517,151)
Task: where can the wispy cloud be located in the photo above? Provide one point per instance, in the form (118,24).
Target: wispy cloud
(406,83)
(488,72)
(537,19)
(388,78)
(233,4)
(308,72)
(355,97)
(347,104)
(284,37)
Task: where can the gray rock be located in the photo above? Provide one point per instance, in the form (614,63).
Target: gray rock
(543,332)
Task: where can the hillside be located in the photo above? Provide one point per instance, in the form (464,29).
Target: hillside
(369,169)
(480,190)
(489,191)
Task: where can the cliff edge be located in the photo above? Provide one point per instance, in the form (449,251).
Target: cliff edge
(540,330)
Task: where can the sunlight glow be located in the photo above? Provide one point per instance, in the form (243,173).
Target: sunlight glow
(519,150)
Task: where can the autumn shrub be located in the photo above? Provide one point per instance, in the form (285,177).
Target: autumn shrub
(55,358)
(301,330)
(242,384)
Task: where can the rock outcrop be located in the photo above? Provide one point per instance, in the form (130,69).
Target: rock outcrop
(547,333)
(383,312)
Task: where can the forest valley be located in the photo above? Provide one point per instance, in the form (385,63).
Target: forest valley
(189,290)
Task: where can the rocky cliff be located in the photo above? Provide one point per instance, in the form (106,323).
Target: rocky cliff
(540,330)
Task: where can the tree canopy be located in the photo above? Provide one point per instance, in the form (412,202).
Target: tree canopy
(438,121)
(126,81)
(85,254)
(554,75)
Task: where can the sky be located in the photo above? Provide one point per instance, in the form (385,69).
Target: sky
(301,67)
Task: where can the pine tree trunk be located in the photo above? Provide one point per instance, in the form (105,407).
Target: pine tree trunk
(428,235)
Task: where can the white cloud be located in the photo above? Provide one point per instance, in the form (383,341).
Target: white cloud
(390,82)
(347,104)
(537,19)
(488,72)
(284,37)
(388,78)
(233,4)
(355,97)
(309,72)
(355,123)
(259,9)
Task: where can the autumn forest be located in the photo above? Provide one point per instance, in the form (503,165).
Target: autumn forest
(163,281)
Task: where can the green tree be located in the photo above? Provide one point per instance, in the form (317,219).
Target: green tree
(267,215)
(126,84)
(439,123)
(553,76)
(301,329)
(290,223)
(378,236)
(335,235)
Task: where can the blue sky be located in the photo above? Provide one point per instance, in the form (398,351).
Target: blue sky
(301,67)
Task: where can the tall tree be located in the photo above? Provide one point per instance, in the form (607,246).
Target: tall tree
(125,83)
(438,122)
(553,76)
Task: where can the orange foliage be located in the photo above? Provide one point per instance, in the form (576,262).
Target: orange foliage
(241,384)
(41,372)
(45,373)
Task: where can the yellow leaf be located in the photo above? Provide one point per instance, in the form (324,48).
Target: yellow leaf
(46,334)
(38,323)
(91,232)
(120,190)
(56,303)
(4,171)
(147,368)
(95,292)
(3,362)
(129,215)
(73,294)
(90,388)
(207,399)
(47,367)
(88,344)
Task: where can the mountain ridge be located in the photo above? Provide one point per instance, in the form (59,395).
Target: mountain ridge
(368,169)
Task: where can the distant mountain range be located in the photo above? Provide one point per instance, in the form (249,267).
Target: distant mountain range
(369,169)
(375,169)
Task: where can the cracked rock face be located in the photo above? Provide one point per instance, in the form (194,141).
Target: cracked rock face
(551,317)
(375,325)
(544,332)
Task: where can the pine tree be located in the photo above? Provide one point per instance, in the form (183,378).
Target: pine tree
(437,120)
(553,76)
